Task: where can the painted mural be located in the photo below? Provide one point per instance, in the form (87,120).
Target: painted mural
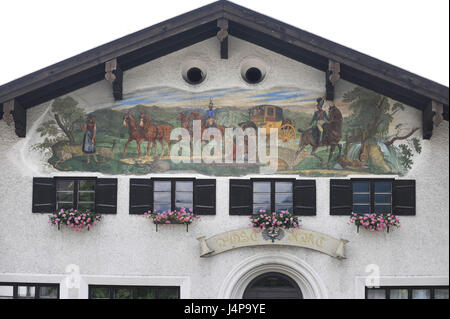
(361,132)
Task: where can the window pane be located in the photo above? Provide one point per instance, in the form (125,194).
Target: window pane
(6,292)
(383,187)
(86,197)
(261,198)
(421,294)
(376,294)
(145,293)
(162,197)
(361,209)
(86,206)
(50,292)
(258,208)
(261,187)
(100,293)
(65,185)
(26,291)
(383,198)
(283,198)
(64,197)
(160,208)
(289,208)
(361,187)
(186,206)
(88,185)
(123,293)
(383,209)
(283,187)
(441,293)
(183,198)
(168,293)
(163,186)
(399,294)
(361,198)
(184,186)
(65,205)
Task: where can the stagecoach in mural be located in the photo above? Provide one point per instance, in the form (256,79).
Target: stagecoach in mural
(270,116)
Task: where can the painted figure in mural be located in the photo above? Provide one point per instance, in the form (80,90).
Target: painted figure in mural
(332,134)
(319,119)
(210,116)
(90,133)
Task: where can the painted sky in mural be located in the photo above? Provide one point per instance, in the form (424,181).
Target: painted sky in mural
(360,132)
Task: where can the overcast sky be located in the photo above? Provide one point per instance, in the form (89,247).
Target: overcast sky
(411,34)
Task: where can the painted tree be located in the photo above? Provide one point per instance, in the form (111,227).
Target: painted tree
(67,116)
(372,116)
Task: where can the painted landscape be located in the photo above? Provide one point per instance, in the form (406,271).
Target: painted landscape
(362,133)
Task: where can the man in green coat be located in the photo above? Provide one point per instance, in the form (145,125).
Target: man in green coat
(319,119)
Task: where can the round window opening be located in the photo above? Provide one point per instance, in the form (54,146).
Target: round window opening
(195,76)
(273,286)
(253,75)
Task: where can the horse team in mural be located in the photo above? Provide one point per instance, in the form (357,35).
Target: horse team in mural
(368,138)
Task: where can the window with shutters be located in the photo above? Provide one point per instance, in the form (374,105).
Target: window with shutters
(96,194)
(161,195)
(29,291)
(133,292)
(249,197)
(367,196)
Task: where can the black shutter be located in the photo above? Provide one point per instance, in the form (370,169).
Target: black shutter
(404,197)
(241,197)
(106,196)
(205,197)
(341,197)
(44,195)
(305,198)
(141,196)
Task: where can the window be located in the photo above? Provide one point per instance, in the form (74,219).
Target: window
(173,195)
(28,291)
(96,194)
(249,197)
(407,293)
(75,193)
(133,292)
(373,196)
(366,196)
(162,195)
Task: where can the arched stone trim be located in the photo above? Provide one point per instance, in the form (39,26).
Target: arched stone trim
(239,278)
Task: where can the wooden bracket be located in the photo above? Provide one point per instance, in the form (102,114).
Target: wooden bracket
(13,111)
(114,75)
(428,124)
(438,110)
(333,75)
(222,35)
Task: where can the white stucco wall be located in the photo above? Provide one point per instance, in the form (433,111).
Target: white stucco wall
(126,249)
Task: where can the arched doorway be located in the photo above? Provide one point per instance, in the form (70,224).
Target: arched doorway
(273,286)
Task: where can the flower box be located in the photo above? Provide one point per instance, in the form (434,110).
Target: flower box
(272,225)
(375,222)
(74,219)
(175,217)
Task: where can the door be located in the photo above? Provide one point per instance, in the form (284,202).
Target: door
(273,286)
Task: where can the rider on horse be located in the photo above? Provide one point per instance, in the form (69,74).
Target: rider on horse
(210,116)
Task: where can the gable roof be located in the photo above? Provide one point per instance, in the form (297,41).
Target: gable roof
(201,24)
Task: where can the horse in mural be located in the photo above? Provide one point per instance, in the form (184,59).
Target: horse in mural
(332,135)
(160,133)
(137,133)
(196,116)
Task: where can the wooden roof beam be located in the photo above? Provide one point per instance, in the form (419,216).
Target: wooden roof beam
(114,75)
(13,112)
(333,76)
(222,35)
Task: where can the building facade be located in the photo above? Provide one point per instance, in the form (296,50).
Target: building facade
(152,122)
